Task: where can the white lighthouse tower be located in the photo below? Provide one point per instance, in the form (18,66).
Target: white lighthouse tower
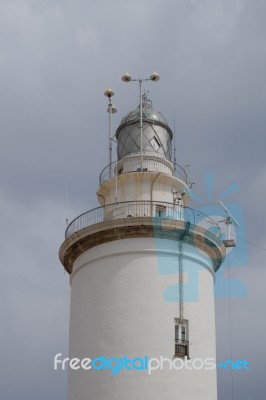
(142,269)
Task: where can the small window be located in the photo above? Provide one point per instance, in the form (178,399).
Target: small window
(181,338)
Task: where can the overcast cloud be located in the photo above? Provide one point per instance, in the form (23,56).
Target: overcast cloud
(56,59)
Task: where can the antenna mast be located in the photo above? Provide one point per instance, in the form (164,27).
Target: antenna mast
(128,78)
(174,145)
(111,110)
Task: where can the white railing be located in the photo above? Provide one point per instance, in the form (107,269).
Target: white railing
(135,209)
(150,163)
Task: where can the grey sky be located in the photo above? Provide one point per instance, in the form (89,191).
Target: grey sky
(56,59)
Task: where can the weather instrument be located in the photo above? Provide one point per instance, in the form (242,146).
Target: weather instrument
(229,220)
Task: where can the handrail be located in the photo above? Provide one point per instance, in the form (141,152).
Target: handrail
(135,209)
(176,170)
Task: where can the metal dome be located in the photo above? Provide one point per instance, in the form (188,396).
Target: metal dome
(157,135)
(148,114)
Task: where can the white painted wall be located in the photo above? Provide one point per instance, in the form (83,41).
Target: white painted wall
(118,308)
(134,186)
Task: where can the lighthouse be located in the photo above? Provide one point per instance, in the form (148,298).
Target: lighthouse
(142,269)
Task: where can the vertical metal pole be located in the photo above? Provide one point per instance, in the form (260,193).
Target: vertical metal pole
(110,138)
(175,149)
(116,172)
(180,273)
(228,230)
(141,127)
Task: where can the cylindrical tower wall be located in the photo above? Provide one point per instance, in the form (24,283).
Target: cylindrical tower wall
(123,303)
(137,186)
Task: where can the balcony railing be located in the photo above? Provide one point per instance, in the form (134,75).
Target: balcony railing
(150,163)
(135,209)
